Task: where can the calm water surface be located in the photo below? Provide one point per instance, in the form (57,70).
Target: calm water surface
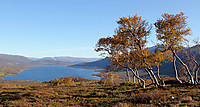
(52,72)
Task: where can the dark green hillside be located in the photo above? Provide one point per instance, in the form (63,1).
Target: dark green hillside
(100,64)
(193,51)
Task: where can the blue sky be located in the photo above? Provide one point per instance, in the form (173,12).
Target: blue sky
(41,28)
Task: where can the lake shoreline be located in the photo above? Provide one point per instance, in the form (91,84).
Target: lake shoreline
(54,72)
(14,73)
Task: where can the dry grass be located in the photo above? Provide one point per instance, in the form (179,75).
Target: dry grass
(94,94)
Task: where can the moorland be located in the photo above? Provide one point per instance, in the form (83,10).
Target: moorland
(76,91)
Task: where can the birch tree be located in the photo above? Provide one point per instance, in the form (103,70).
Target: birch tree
(128,47)
(171,32)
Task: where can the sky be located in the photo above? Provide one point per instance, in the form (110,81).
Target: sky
(47,28)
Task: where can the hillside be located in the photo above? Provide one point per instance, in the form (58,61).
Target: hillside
(99,64)
(48,63)
(13,60)
(21,61)
(169,72)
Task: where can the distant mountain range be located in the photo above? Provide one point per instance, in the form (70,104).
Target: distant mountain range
(68,59)
(16,60)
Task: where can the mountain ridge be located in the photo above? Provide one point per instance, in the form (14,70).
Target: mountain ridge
(69,59)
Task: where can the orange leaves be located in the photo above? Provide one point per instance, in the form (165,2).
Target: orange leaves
(132,26)
(130,38)
(172,29)
(128,45)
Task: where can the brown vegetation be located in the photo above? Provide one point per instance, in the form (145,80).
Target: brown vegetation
(86,92)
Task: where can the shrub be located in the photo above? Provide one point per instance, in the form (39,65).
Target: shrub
(186,99)
(122,105)
(63,82)
(10,85)
(146,98)
(110,79)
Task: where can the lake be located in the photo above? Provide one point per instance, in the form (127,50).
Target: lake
(52,72)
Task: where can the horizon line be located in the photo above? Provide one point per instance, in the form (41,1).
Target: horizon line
(50,56)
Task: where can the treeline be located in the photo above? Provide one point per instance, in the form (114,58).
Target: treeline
(127,49)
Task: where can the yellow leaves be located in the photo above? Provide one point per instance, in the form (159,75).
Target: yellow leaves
(127,46)
(63,82)
(172,29)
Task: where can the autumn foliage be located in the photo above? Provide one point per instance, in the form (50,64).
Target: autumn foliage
(127,48)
